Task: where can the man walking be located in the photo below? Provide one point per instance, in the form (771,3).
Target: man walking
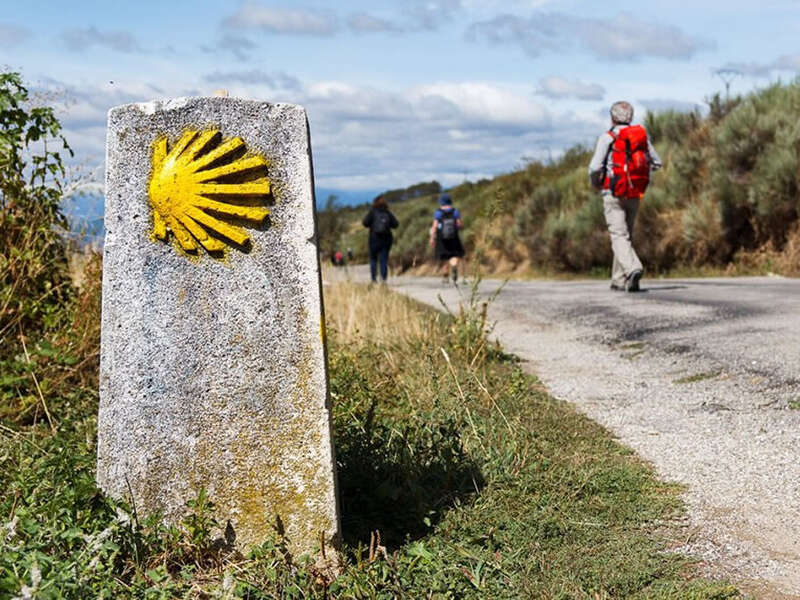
(444,237)
(620,167)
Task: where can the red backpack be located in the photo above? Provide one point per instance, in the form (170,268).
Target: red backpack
(630,164)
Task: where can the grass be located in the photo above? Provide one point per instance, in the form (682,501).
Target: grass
(549,505)
(632,346)
(460,477)
(698,377)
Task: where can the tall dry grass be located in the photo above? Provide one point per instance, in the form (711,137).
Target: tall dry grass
(377,315)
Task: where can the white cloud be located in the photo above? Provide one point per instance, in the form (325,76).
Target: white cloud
(482,103)
(415,15)
(297,21)
(558,87)
(276,80)
(627,37)
(623,38)
(83,39)
(238,46)
(429,15)
(787,62)
(661,104)
(367,23)
(11,35)
(367,139)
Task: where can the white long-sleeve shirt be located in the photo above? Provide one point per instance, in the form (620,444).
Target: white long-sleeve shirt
(602,155)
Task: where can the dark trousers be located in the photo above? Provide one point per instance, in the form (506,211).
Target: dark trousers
(379,253)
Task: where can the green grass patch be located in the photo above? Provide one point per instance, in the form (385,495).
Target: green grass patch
(632,346)
(698,377)
(460,477)
(794,404)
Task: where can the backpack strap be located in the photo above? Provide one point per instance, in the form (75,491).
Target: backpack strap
(446,212)
(604,177)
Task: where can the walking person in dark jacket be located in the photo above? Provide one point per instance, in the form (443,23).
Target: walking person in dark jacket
(380,222)
(444,238)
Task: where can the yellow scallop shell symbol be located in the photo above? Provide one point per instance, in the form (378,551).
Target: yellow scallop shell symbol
(203,183)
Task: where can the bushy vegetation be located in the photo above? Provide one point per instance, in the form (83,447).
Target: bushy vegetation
(727,198)
(45,344)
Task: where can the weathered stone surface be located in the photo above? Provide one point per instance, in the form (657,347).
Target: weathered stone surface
(212,370)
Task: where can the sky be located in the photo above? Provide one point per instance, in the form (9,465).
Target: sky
(405,91)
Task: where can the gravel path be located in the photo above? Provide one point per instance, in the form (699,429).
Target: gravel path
(701,377)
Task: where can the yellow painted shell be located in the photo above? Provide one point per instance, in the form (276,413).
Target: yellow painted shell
(203,182)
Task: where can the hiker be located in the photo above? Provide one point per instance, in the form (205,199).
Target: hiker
(620,167)
(380,222)
(444,237)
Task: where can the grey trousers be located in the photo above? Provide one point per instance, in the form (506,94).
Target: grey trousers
(620,217)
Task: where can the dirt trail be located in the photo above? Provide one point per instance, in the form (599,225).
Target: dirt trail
(701,377)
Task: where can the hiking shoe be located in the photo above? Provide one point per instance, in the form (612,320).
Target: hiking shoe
(632,282)
(617,287)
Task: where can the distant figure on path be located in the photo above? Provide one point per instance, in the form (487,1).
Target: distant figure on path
(380,222)
(445,239)
(620,167)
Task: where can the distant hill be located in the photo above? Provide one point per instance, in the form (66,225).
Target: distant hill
(345,197)
(727,197)
(84,212)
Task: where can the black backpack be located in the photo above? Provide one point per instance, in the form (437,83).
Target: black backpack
(448,227)
(381,222)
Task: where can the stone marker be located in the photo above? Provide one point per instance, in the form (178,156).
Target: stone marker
(212,370)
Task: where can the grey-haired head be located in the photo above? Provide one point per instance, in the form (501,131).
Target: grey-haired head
(621,113)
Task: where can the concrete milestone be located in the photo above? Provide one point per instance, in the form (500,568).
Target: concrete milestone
(212,370)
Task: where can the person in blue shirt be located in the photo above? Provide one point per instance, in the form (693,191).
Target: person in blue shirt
(444,238)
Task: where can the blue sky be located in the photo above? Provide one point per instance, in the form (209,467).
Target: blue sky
(405,91)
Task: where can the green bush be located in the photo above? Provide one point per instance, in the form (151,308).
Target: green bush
(35,288)
(671,126)
(33,280)
(756,163)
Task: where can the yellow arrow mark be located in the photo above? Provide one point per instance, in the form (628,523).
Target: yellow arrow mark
(192,187)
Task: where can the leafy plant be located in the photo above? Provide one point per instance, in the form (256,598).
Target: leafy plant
(34,281)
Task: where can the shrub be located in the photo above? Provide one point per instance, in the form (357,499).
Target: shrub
(756,167)
(671,126)
(35,288)
(33,281)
